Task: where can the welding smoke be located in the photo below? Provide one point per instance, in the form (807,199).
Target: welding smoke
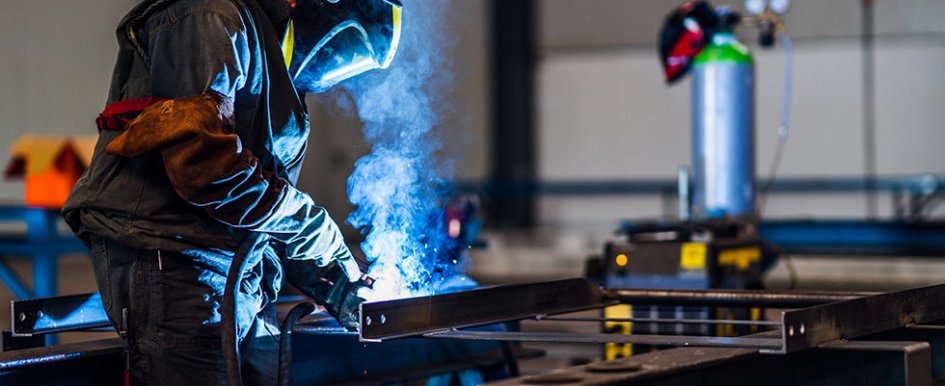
(397,187)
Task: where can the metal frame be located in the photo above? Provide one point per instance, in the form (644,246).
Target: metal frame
(815,326)
(828,318)
(58,314)
(479,307)
(917,357)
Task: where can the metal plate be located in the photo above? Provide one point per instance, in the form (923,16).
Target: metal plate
(417,316)
(62,313)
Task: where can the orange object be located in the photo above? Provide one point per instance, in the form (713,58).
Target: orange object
(50,166)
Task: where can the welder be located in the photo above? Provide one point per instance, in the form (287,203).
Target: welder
(189,205)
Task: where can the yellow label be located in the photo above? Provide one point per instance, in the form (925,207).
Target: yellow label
(618,350)
(692,256)
(741,258)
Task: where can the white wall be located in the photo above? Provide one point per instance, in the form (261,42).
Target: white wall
(56,59)
(582,24)
(604,111)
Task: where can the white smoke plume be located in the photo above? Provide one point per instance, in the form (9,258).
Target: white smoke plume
(397,187)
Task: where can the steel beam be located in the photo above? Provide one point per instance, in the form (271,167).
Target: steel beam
(815,326)
(63,313)
(730,298)
(417,316)
(514,60)
(12,280)
(917,357)
(567,337)
(661,321)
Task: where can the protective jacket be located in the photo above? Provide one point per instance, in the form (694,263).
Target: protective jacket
(141,198)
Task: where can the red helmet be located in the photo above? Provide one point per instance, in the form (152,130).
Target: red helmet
(683,35)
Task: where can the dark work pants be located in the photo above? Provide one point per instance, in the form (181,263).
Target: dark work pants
(171,304)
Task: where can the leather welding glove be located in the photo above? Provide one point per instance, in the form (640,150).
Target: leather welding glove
(330,287)
(208,166)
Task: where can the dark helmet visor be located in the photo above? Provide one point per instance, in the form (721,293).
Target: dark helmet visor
(335,41)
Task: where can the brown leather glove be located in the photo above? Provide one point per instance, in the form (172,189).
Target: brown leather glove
(209,167)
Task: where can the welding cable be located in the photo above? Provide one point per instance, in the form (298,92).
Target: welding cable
(785,125)
(511,362)
(230,335)
(285,340)
(784,256)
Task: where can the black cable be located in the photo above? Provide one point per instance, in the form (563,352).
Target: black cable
(788,263)
(285,340)
(772,176)
(229,335)
(510,360)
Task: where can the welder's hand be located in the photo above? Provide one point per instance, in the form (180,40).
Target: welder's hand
(330,287)
(346,304)
(310,234)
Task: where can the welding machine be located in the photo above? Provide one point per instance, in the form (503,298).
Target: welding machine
(719,254)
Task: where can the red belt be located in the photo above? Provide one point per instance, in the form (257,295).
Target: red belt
(118,114)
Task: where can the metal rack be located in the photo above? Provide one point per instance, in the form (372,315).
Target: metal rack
(821,320)
(818,322)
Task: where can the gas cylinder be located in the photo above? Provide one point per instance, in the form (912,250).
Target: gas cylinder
(723,129)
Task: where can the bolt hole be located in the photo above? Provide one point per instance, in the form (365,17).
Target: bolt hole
(802,329)
(383,319)
(790,331)
(367,320)
(22,316)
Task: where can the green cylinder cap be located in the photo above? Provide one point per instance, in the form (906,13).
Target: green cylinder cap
(724,48)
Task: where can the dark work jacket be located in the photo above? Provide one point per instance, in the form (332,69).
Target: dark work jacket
(178,48)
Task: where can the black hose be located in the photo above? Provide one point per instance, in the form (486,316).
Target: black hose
(510,360)
(285,340)
(229,335)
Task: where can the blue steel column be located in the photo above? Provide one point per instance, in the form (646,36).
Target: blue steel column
(42,231)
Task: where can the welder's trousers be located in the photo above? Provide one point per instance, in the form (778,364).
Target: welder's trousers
(168,306)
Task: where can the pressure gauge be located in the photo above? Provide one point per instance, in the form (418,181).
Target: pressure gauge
(754,7)
(780,7)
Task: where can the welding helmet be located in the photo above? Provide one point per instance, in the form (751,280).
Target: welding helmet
(684,32)
(328,41)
